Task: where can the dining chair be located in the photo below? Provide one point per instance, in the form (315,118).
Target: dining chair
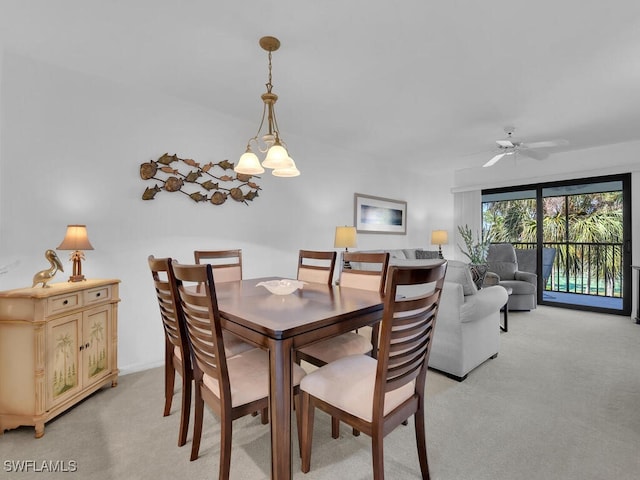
(227,267)
(227,264)
(374,396)
(316,267)
(231,386)
(176,353)
(370,273)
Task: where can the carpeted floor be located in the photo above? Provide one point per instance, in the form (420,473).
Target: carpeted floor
(561,401)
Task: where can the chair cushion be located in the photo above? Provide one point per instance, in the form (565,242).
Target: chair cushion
(348,384)
(333,348)
(519,287)
(502,260)
(313,275)
(249,377)
(458,272)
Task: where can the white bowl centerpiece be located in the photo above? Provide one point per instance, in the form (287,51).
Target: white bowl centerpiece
(281,287)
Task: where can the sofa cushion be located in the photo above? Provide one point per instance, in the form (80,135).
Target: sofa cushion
(397,254)
(410,253)
(458,272)
(427,254)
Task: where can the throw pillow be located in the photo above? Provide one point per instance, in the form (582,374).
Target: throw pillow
(426,254)
(458,272)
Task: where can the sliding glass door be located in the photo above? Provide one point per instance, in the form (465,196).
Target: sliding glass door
(583,249)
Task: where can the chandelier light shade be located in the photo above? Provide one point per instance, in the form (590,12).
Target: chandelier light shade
(439,237)
(270,143)
(77,240)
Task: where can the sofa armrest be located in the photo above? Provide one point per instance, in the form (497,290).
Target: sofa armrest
(452,299)
(527,277)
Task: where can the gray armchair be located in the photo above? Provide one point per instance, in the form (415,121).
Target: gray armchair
(503,270)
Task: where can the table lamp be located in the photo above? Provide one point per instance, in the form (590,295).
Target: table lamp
(345,237)
(439,237)
(76,239)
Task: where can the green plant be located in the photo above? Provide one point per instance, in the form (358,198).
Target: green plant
(476,250)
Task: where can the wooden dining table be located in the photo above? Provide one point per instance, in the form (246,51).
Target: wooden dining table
(283,323)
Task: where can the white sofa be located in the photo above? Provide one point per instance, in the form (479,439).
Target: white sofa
(468,324)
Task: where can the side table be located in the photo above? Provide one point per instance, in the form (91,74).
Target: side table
(505,325)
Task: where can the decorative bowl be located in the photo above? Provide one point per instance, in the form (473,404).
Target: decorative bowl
(281,287)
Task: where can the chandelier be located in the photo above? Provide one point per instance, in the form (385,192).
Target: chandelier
(277,157)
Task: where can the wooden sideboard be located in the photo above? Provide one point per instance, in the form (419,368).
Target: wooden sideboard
(57,346)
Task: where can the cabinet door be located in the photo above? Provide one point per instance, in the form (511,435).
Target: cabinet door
(63,375)
(96,335)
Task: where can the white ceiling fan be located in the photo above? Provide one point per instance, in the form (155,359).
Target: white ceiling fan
(511,146)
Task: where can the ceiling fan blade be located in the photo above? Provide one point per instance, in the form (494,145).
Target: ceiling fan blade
(547,144)
(494,160)
(505,143)
(533,154)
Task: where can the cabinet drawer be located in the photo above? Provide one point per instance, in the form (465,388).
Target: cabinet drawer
(63,303)
(98,294)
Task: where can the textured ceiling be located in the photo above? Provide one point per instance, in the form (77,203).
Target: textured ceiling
(416,80)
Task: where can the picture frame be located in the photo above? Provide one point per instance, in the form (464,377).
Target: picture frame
(379,215)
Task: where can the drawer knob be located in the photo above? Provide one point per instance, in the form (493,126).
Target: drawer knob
(98,294)
(65,302)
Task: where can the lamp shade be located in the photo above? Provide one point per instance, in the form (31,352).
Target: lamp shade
(249,164)
(345,237)
(439,237)
(277,157)
(76,238)
(291,171)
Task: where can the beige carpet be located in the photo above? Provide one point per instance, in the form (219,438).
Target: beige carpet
(561,401)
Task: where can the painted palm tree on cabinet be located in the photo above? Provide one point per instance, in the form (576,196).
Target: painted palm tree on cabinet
(97,361)
(65,376)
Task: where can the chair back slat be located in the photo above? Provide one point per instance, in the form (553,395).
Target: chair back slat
(167,299)
(226,264)
(371,271)
(196,290)
(407,328)
(316,267)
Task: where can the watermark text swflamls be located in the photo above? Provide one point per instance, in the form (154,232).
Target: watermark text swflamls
(41,466)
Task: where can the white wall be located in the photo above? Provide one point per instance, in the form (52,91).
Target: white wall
(70,151)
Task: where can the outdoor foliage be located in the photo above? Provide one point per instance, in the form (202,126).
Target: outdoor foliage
(586,230)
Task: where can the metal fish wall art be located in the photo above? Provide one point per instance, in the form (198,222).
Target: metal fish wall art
(201,183)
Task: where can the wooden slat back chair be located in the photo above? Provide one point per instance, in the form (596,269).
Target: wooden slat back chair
(316,267)
(371,275)
(227,267)
(176,353)
(227,264)
(231,386)
(374,396)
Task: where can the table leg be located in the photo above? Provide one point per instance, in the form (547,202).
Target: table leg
(280,401)
(505,327)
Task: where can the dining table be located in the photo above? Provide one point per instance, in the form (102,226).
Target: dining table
(283,323)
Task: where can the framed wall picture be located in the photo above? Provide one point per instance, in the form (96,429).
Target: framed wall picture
(379,215)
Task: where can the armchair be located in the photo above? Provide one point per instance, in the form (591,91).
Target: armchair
(503,270)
